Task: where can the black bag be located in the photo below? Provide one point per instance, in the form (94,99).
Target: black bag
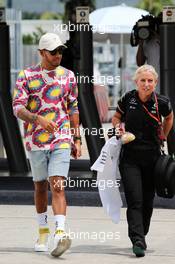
(164,174)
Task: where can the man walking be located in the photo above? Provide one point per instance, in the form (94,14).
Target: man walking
(45,97)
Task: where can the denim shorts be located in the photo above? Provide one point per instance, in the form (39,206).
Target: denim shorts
(47,163)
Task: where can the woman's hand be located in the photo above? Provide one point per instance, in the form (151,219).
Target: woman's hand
(119,129)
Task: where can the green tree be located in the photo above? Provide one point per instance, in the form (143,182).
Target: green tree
(32,39)
(30,15)
(154,7)
(2,3)
(49,15)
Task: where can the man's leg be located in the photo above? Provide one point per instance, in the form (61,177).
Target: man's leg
(41,196)
(57,184)
(38,162)
(58,168)
(61,240)
(58,201)
(41,200)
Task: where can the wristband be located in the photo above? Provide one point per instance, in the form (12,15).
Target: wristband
(34,118)
(77,138)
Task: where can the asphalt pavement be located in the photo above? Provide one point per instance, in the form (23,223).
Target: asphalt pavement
(95,239)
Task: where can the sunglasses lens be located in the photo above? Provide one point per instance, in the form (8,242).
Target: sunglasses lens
(55,51)
(60,50)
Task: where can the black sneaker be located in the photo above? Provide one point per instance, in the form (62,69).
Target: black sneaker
(144,245)
(138,249)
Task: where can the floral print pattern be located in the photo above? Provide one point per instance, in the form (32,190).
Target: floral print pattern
(55,100)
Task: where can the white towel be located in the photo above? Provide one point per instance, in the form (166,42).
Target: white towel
(108,177)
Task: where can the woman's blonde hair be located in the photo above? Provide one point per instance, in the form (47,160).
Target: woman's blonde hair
(144,68)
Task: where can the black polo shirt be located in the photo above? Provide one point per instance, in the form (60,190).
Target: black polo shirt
(139,122)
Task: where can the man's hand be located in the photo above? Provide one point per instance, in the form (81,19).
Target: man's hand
(76,149)
(48,125)
(27,116)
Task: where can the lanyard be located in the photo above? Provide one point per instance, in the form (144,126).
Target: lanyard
(157,111)
(161,134)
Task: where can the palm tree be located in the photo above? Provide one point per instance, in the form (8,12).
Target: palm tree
(154,7)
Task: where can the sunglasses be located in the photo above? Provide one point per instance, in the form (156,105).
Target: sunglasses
(57,50)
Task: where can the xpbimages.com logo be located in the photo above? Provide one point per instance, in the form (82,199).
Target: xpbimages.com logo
(102,29)
(99,79)
(100,236)
(100,132)
(86,184)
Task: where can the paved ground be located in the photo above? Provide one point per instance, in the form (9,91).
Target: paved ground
(95,238)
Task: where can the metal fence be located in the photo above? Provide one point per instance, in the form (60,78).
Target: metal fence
(13,18)
(24,55)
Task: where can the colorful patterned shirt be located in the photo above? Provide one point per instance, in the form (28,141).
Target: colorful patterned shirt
(51,94)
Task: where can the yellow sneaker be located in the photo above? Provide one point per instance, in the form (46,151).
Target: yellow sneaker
(62,242)
(42,243)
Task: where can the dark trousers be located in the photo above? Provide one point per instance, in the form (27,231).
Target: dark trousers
(136,170)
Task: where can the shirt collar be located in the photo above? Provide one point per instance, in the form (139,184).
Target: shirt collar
(151,99)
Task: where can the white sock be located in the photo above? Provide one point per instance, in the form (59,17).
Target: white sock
(59,222)
(42,220)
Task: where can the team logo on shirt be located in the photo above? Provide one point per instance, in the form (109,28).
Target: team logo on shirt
(132,107)
(169,106)
(133,101)
(153,109)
